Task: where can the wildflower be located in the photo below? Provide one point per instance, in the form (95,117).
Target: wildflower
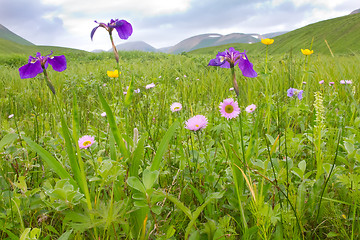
(196,123)
(137,90)
(320,111)
(86,141)
(185,76)
(321,82)
(123,28)
(175,107)
(229,108)
(103,114)
(177,78)
(113,74)
(307,52)
(345,82)
(293,92)
(331,83)
(250,108)
(230,58)
(151,85)
(11,116)
(304,83)
(231,89)
(124,93)
(104,85)
(159,76)
(267,41)
(38,63)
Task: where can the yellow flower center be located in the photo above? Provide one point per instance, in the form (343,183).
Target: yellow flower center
(196,125)
(176,108)
(229,109)
(86,143)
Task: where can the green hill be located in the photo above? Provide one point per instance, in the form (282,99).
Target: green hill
(10,43)
(9,35)
(10,47)
(342,35)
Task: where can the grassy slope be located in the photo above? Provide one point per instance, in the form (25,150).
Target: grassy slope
(9,47)
(341,33)
(8,35)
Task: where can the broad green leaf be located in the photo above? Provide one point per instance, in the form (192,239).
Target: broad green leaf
(25,234)
(163,146)
(54,164)
(114,129)
(136,157)
(170,232)
(7,139)
(302,166)
(129,95)
(149,178)
(197,194)
(66,235)
(71,153)
(135,183)
(197,212)
(180,205)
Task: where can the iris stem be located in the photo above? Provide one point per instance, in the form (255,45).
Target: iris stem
(236,87)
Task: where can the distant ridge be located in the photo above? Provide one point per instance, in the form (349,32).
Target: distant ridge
(9,35)
(214,39)
(341,35)
(355,11)
(135,46)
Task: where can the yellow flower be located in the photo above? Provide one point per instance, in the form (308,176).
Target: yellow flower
(267,41)
(113,74)
(307,51)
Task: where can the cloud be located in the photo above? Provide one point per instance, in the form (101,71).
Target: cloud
(159,22)
(31,20)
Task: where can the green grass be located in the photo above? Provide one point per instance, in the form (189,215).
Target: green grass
(150,178)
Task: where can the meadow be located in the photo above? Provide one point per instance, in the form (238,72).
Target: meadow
(287,169)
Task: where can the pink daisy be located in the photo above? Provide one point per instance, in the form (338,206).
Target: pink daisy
(86,141)
(196,123)
(250,108)
(229,108)
(176,107)
(151,85)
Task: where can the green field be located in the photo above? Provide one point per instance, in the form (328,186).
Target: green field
(288,170)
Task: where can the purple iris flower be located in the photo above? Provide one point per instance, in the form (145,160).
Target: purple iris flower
(123,28)
(230,58)
(37,65)
(293,92)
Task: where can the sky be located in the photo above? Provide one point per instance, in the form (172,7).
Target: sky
(160,23)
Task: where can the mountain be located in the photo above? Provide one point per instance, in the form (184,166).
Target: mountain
(355,11)
(214,39)
(341,34)
(9,35)
(135,46)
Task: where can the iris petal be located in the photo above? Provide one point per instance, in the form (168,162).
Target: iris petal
(30,70)
(124,29)
(93,32)
(58,63)
(246,66)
